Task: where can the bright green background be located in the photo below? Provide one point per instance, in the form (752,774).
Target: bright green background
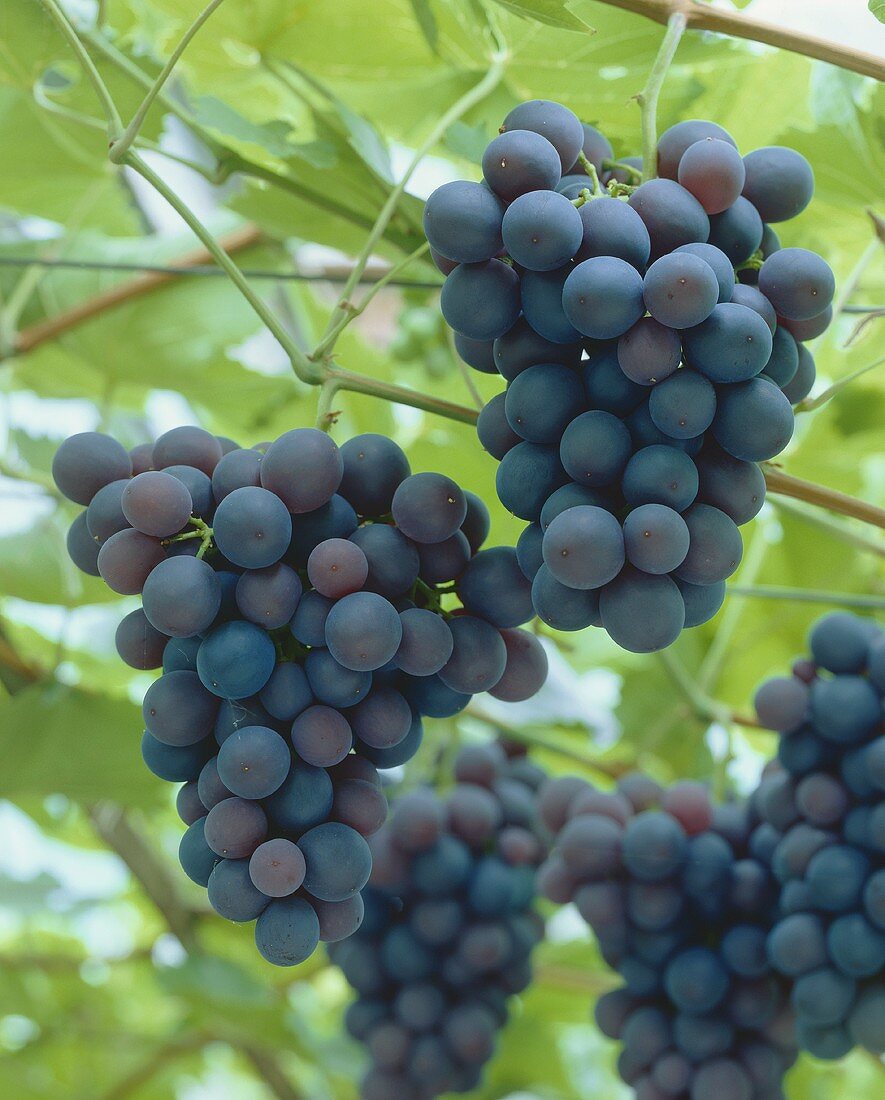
(96,1000)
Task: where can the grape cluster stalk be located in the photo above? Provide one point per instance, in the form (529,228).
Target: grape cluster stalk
(653,340)
(823,807)
(450,927)
(308,605)
(680,901)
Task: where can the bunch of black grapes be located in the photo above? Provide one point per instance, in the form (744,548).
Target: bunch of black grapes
(449,928)
(651,336)
(299,599)
(681,905)
(824,814)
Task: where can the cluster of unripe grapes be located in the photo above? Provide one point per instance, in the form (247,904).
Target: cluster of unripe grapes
(652,338)
(301,601)
(680,904)
(824,834)
(449,927)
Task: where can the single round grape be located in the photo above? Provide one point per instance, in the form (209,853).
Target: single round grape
(198,485)
(542,305)
(236,470)
(696,980)
(277,867)
(338,861)
(584,547)
(656,538)
(86,462)
(715,549)
(660,475)
(178,710)
(188,804)
(82,548)
(607,386)
(253,762)
(612,228)
(426,642)
(594,450)
(702,601)
(542,400)
(209,785)
(142,457)
(444,561)
(839,642)
(338,919)
(602,297)
(337,567)
(562,607)
(126,560)
(373,468)
(308,624)
(680,289)
(477,523)
(493,428)
(784,359)
(104,515)
(526,669)
(640,612)
(844,709)
(335,519)
(528,474)
(236,660)
(737,231)
(393,559)
(802,382)
(303,468)
(462,221)
(333,684)
(648,352)
(542,230)
(732,345)
(866,1022)
(321,736)
(754,421)
(232,893)
(235,828)
(782,703)
(429,507)
(252,526)
(187,446)
(478,658)
(572,495)
(269,597)
(304,799)
(713,171)
(798,283)
(721,1077)
(181,596)
(683,405)
(195,856)
(481,300)
(383,718)
(730,484)
(753,298)
(824,997)
(287,693)
(836,876)
(674,142)
(363,631)
(810,328)
(287,932)
(672,215)
(139,643)
(779,182)
(478,354)
(560,126)
(519,161)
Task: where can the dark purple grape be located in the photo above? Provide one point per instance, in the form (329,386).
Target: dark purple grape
(252,526)
(104,516)
(798,283)
(462,221)
(187,446)
(277,867)
(86,462)
(602,297)
(648,352)
(182,596)
(680,289)
(779,182)
(126,560)
(713,171)
(542,230)
(640,612)
(556,123)
(673,143)
(481,300)
(672,215)
(584,547)
(236,470)
(303,468)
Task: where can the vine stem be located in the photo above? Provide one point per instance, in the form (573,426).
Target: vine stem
(303,367)
(703,705)
(388,391)
(112,115)
(811,403)
(489,82)
(834,527)
(648,97)
(705,17)
(326,416)
(120,148)
(789,486)
(808,595)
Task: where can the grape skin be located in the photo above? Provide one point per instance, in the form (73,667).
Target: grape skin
(602,297)
(86,462)
(519,161)
(462,221)
(542,230)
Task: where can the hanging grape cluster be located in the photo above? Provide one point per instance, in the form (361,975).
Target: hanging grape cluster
(449,927)
(300,601)
(651,335)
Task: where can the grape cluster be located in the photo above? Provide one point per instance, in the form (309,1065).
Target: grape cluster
(824,814)
(299,600)
(651,337)
(680,904)
(449,928)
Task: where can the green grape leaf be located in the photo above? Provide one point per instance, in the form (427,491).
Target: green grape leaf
(427,22)
(877,7)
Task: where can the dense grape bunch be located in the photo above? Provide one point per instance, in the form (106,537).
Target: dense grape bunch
(449,928)
(824,807)
(680,900)
(651,338)
(299,599)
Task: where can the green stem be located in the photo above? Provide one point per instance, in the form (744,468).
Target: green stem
(469,100)
(584,196)
(611,165)
(815,402)
(121,147)
(306,370)
(351,311)
(388,391)
(326,416)
(112,115)
(703,705)
(808,595)
(590,168)
(834,527)
(203,532)
(648,97)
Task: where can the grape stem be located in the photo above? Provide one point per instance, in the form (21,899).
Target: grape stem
(119,148)
(704,706)
(590,168)
(808,595)
(648,97)
(815,402)
(706,17)
(203,532)
(634,173)
(779,482)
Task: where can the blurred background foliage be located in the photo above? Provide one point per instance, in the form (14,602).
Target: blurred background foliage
(285,125)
